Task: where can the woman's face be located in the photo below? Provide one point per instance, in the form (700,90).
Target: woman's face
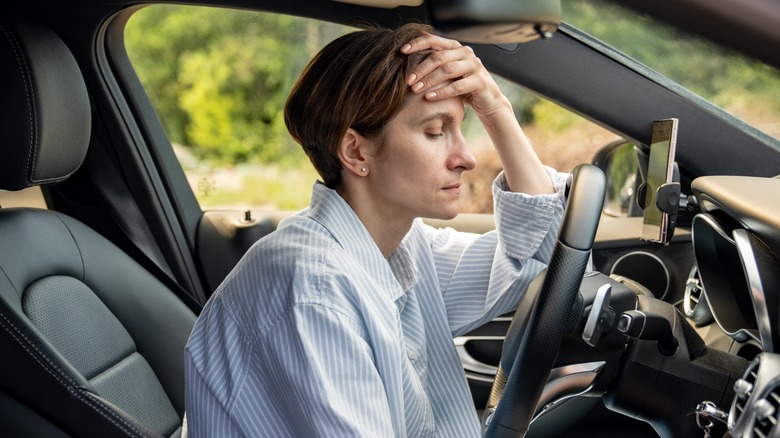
(425,153)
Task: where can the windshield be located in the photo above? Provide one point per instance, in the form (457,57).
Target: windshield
(745,88)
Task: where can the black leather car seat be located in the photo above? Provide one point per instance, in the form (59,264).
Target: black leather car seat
(91,344)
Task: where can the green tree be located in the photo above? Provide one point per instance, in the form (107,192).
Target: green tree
(720,75)
(219,78)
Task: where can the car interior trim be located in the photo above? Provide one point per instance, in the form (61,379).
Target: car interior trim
(752,201)
(746,246)
(616,270)
(695,305)
(757,390)
(174,238)
(720,271)
(470,363)
(171,172)
(569,381)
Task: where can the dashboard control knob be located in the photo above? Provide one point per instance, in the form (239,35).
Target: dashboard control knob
(763,410)
(647,325)
(743,388)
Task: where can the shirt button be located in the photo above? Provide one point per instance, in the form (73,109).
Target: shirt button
(412,354)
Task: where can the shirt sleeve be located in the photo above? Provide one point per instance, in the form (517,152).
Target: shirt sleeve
(320,366)
(215,352)
(484,276)
(528,225)
(311,374)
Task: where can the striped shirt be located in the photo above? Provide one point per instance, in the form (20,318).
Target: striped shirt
(315,333)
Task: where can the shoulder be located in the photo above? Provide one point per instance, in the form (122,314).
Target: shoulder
(300,263)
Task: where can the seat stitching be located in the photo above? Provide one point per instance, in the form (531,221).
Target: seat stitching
(68,383)
(114,365)
(28,91)
(78,247)
(108,413)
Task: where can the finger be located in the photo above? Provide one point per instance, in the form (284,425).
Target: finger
(440,59)
(460,87)
(429,41)
(438,67)
(447,71)
(482,94)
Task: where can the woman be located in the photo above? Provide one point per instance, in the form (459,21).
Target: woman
(340,323)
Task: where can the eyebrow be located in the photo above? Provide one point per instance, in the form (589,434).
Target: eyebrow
(445,116)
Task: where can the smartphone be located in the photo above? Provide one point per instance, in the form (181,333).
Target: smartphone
(660,170)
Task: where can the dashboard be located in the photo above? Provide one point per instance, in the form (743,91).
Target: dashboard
(736,239)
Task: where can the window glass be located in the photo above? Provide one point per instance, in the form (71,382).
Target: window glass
(746,88)
(218,80)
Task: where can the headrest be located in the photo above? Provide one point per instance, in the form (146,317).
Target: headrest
(45,119)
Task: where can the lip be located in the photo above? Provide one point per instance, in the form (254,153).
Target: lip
(453,188)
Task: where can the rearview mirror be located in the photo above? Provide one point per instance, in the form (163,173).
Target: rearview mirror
(496,21)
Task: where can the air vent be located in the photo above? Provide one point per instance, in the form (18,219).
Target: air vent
(766,414)
(743,389)
(695,301)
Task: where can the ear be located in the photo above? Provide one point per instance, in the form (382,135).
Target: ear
(354,152)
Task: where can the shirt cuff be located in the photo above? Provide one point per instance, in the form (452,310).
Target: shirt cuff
(522,220)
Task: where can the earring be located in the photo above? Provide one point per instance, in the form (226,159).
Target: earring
(363,169)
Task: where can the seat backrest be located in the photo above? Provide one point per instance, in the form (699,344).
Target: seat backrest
(91,344)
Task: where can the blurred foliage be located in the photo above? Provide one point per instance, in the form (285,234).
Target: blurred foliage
(282,188)
(218,78)
(550,116)
(725,77)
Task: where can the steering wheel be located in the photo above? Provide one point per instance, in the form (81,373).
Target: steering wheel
(539,324)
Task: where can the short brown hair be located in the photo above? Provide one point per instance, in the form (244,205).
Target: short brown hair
(357,81)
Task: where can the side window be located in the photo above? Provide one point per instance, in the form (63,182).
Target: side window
(218,80)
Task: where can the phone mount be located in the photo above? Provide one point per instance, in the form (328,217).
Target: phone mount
(669,199)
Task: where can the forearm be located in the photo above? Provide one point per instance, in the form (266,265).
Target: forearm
(522,167)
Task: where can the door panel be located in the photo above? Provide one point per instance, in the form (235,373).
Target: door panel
(223,236)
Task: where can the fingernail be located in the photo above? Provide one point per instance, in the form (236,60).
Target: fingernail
(417,87)
(406,48)
(430,95)
(412,78)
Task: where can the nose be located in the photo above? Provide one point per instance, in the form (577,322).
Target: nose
(461,157)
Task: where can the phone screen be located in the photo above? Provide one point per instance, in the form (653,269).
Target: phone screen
(660,169)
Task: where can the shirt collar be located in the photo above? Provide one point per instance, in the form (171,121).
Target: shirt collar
(331,211)
(403,267)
